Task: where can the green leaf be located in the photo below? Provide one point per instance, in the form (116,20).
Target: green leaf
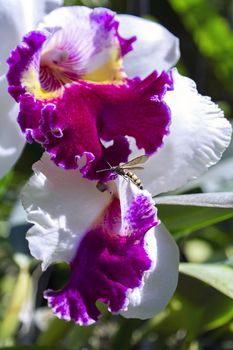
(56,332)
(209,307)
(10,321)
(218,276)
(5,181)
(183,220)
(195,308)
(123,337)
(78,337)
(211,33)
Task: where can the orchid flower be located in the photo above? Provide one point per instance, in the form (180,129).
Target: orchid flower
(17,17)
(90,96)
(74,95)
(116,252)
(80,85)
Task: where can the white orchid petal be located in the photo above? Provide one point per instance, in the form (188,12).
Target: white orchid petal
(17,18)
(155,48)
(160,282)
(217,200)
(199,134)
(11,28)
(63,206)
(129,193)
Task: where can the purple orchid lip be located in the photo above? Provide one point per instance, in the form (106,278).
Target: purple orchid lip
(67,108)
(107,265)
(113,111)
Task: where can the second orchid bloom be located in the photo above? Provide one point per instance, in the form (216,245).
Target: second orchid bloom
(91,92)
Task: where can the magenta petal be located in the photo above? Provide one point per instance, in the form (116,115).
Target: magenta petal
(137,110)
(88,111)
(115,154)
(104,269)
(73,119)
(29,118)
(21,58)
(107,264)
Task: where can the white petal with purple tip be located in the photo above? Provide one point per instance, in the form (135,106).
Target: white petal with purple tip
(155,48)
(17,18)
(85,43)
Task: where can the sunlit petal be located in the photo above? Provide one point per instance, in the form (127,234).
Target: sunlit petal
(155,48)
(17,18)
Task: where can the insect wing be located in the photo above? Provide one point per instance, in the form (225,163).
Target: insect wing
(133,167)
(134,162)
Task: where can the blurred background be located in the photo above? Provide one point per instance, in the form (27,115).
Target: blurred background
(200,315)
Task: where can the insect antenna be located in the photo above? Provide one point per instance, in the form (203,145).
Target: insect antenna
(110,167)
